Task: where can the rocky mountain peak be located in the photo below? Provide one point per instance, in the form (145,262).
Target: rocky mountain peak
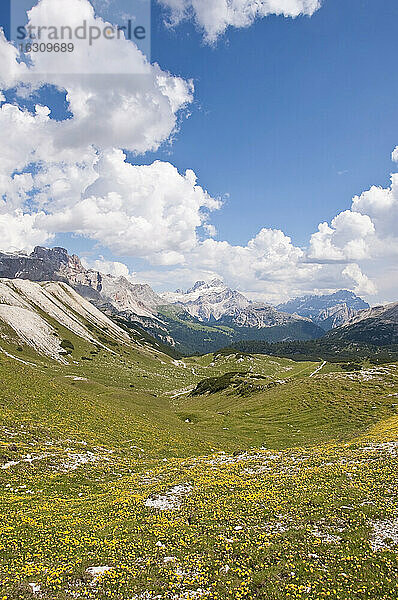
(58,259)
(55,264)
(204,286)
(198,285)
(378,326)
(47,253)
(216,283)
(211,302)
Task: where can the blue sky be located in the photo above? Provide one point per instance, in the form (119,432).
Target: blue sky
(290,119)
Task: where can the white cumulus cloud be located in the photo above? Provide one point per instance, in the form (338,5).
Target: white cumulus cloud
(116,97)
(73,176)
(347,239)
(363,285)
(108,267)
(150,211)
(19,231)
(215,16)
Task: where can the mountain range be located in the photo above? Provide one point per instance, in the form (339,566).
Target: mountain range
(327,311)
(371,336)
(378,325)
(209,302)
(44,316)
(214,302)
(202,319)
(114,454)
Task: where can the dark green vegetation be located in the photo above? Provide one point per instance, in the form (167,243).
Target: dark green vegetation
(332,350)
(377,330)
(195,337)
(170,324)
(130,475)
(372,338)
(134,329)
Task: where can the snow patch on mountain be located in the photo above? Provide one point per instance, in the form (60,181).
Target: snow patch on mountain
(208,301)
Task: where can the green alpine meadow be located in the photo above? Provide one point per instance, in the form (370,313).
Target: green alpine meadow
(128,473)
(198,300)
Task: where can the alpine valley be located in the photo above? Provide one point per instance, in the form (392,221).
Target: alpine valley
(130,473)
(207,317)
(236,439)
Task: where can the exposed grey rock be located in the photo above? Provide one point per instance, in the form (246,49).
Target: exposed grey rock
(387,313)
(53,264)
(29,309)
(214,302)
(169,316)
(377,326)
(327,311)
(56,264)
(208,302)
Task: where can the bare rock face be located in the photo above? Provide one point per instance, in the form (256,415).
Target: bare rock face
(377,326)
(33,266)
(129,298)
(387,313)
(327,311)
(257,316)
(335,316)
(208,302)
(214,302)
(53,264)
(29,309)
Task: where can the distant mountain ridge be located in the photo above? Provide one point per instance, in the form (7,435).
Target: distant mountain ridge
(370,336)
(227,316)
(378,326)
(208,302)
(203,319)
(327,311)
(214,302)
(55,264)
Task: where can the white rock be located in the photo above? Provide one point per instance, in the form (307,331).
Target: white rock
(98,571)
(35,587)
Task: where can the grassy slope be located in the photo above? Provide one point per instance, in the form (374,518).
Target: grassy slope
(293,521)
(300,412)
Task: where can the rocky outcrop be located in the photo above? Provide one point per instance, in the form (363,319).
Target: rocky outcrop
(259,317)
(377,326)
(327,311)
(208,302)
(54,264)
(206,317)
(214,302)
(126,297)
(30,311)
